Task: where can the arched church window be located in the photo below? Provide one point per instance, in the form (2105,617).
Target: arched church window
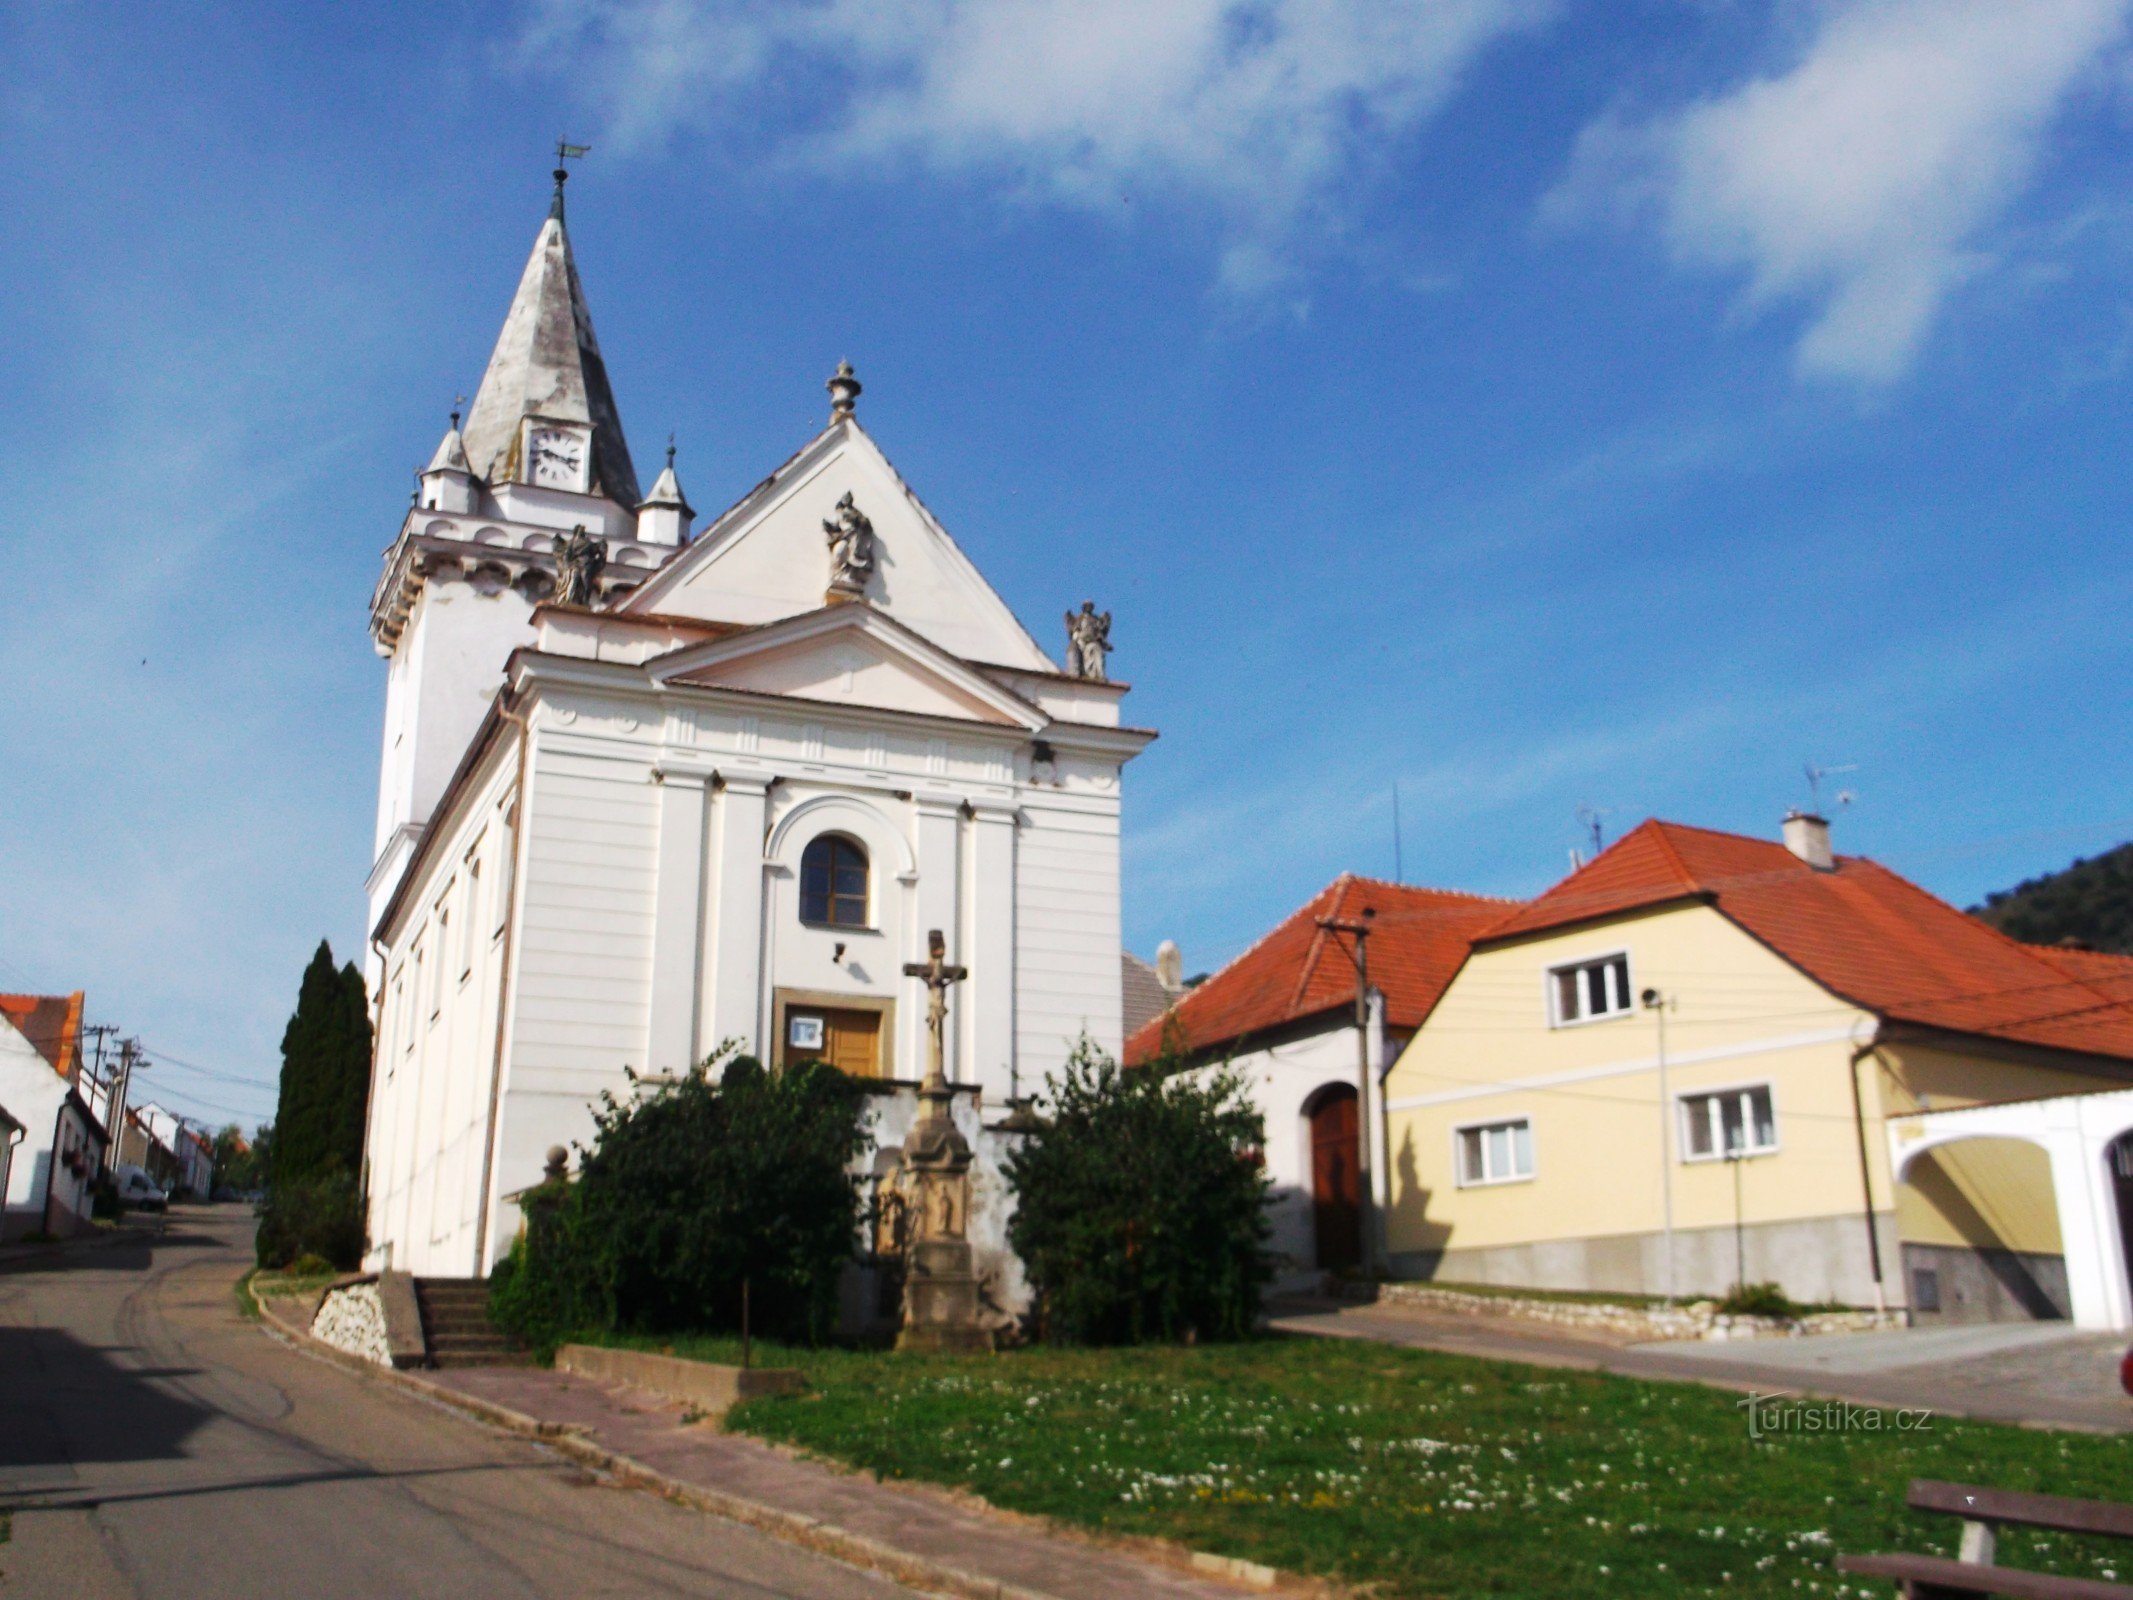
(833,882)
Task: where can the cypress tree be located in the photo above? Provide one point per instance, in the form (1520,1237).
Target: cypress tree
(313,1206)
(325,1073)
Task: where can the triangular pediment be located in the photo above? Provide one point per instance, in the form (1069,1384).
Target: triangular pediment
(848,655)
(768,558)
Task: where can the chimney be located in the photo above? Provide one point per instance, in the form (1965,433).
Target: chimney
(1807,836)
(1169,966)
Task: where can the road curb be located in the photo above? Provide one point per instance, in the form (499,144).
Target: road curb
(825,1538)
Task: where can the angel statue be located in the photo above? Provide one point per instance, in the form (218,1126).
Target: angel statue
(851,547)
(1088,641)
(579,560)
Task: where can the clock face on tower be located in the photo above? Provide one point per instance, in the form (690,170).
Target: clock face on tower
(557,457)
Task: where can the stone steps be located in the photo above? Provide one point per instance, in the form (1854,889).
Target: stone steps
(456,1330)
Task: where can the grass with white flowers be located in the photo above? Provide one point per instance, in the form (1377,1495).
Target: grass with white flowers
(1419,1473)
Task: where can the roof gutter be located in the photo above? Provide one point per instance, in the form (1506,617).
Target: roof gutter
(1867,1046)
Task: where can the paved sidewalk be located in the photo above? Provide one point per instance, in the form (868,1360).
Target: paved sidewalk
(2038,1374)
(1018,1554)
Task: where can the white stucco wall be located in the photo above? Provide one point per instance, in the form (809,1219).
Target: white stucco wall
(33,1094)
(1284,1080)
(658,916)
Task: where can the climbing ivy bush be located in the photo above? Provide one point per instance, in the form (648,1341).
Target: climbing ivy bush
(1140,1207)
(687,1192)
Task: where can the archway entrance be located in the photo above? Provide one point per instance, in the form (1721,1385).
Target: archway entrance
(2119,1158)
(1979,1222)
(1335,1156)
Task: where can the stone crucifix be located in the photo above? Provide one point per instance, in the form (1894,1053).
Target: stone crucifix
(941,1310)
(938,975)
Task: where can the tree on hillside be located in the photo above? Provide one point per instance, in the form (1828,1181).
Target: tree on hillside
(314,1205)
(2090,901)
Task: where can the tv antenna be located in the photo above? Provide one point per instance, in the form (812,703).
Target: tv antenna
(1592,822)
(1816,774)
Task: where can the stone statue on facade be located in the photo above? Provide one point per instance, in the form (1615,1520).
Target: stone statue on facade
(579,560)
(1088,642)
(851,548)
(940,1288)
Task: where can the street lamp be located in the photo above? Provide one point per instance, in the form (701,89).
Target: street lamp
(1658,1004)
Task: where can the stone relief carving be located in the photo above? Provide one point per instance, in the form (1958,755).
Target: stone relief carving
(1088,642)
(579,560)
(851,549)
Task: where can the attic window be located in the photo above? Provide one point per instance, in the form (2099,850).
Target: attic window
(1586,991)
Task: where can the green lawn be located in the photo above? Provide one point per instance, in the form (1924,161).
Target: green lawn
(1421,1473)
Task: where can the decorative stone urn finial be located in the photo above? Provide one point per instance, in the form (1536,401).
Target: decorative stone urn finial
(844,390)
(558,1164)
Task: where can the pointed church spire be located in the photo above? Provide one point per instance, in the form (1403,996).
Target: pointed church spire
(547,365)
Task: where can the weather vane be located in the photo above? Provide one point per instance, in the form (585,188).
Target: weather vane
(564,151)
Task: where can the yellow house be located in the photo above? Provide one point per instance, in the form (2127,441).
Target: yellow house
(1673,1071)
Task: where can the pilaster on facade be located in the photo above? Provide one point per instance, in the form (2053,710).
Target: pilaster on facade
(990,1011)
(739,881)
(677,922)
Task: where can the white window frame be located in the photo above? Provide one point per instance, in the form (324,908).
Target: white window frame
(1553,989)
(1484,1127)
(1718,1151)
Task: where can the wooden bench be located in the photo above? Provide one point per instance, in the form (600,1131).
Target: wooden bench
(1984,1512)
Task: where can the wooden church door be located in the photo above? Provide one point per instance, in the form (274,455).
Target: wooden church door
(1334,1157)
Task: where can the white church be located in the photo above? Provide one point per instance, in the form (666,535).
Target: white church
(643,792)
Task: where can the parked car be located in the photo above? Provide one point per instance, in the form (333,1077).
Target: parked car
(138,1190)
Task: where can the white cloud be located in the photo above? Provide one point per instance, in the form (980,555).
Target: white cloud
(1262,110)
(1866,178)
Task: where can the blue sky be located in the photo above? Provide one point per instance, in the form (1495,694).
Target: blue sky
(1531,404)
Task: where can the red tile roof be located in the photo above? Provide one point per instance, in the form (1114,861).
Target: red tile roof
(51,1022)
(1418,939)
(1860,931)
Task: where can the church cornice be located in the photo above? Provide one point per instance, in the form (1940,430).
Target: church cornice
(532,670)
(483,551)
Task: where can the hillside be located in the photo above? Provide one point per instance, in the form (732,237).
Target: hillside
(2091,901)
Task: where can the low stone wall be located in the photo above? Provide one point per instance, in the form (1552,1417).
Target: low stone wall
(351,1317)
(706,1384)
(1699,1319)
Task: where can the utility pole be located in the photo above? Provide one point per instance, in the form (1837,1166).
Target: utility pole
(1365,1196)
(129,1057)
(1657,1004)
(99,1031)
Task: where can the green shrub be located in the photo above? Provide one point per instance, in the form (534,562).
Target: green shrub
(687,1192)
(317,1216)
(1757,1300)
(1140,1208)
(310,1266)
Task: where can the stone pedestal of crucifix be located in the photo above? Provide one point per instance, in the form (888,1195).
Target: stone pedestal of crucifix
(940,1289)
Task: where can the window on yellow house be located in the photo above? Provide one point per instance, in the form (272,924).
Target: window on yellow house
(1730,1122)
(1588,990)
(1495,1152)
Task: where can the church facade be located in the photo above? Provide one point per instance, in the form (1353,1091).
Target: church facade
(643,794)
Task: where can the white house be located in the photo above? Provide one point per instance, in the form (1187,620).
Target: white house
(1284,1016)
(708,789)
(60,1149)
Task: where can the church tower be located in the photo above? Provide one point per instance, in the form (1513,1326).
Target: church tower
(542,454)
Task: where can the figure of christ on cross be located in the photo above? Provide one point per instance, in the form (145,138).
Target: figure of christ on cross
(938,975)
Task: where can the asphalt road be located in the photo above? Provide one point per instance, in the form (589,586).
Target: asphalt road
(154,1444)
